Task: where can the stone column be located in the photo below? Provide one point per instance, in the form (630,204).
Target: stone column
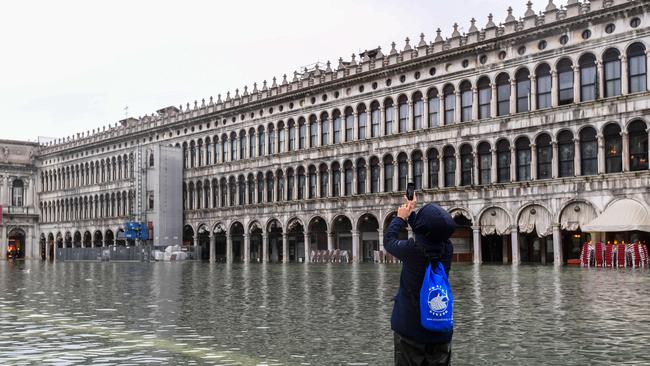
(557,246)
(197,249)
(626,151)
(475,172)
(442,119)
(409,172)
(395,176)
(425,110)
(493,167)
(576,83)
(307,133)
(516,260)
(265,246)
(555,161)
(533,93)
(285,189)
(307,247)
(213,248)
(355,246)
(457,110)
(355,126)
(247,247)
(319,132)
(624,75)
(29,188)
(285,248)
(458,171)
(368,176)
(381,177)
(354,180)
(533,161)
(601,78)
(441,171)
(513,163)
(513,96)
(576,157)
(555,97)
(275,188)
(330,185)
(380,233)
(425,172)
(318,183)
(601,154)
(477,245)
(410,125)
(229,258)
(475,105)
(493,100)
(330,240)
(395,116)
(382,119)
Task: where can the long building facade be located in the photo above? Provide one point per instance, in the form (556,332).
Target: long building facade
(524,130)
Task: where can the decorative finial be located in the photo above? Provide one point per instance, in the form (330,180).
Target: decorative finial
(490,23)
(219,98)
(379,54)
(456,33)
(329,66)
(284,79)
(211,101)
(354,60)
(422,42)
(393,51)
(264,87)
(275,83)
(236,93)
(472,28)
(550,6)
(529,12)
(407,46)
(439,35)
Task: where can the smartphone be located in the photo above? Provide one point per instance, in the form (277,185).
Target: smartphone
(410,190)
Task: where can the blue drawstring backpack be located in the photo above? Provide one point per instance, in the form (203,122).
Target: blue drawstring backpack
(436,301)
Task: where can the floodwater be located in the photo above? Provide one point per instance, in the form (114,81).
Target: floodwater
(315,314)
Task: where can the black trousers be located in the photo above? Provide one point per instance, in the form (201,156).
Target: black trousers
(410,353)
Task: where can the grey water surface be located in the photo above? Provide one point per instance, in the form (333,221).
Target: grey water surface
(74,313)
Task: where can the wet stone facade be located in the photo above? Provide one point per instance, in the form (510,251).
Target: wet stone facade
(524,130)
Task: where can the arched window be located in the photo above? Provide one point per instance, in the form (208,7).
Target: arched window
(151,161)
(192,156)
(337,126)
(402,172)
(199,196)
(261,141)
(242,145)
(638,146)
(292,135)
(466,165)
(251,190)
(190,197)
(418,110)
(301,183)
(251,143)
(503,161)
(612,64)
(361,176)
(636,60)
(349,124)
(485,163)
(17,192)
(302,133)
(450,104)
(466,101)
(271,139)
(544,157)
(199,150)
(312,181)
(363,121)
(503,94)
(291,180)
(523,90)
(336,179)
(233,146)
(588,75)
(324,180)
(375,116)
(613,149)
(389,111)
(484,97)
(566,148)
(241,190)
(543,75)
(588,151)
(388,173)
(313,131)
(269,187)
(434,166)
(523,159)
(279,192)
(185,158)
(281,137)
(208,151)
(375,174)
(449,159)
(223,189)
(325,129)
(233,190)
(416,159)
(565,81)
(403,110)
(225,147)
(260,187)
(434,107)
(348,172)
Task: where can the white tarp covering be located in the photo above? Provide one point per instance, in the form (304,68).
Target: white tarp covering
(535,217)
(576,215)
(495,221)
(622,215)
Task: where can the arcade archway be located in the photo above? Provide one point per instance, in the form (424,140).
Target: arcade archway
(16,244)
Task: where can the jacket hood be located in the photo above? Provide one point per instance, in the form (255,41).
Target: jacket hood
(433,223)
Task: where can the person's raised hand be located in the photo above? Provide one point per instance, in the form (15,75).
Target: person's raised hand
(405,210)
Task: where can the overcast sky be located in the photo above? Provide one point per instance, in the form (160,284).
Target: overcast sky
(71,66)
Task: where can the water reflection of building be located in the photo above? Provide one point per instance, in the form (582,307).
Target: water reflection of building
(525,131)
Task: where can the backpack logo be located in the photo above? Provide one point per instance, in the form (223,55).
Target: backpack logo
(438,300)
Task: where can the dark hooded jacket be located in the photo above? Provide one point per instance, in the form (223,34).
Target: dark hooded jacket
(432,226)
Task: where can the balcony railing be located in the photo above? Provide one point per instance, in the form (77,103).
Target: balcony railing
(18,210)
